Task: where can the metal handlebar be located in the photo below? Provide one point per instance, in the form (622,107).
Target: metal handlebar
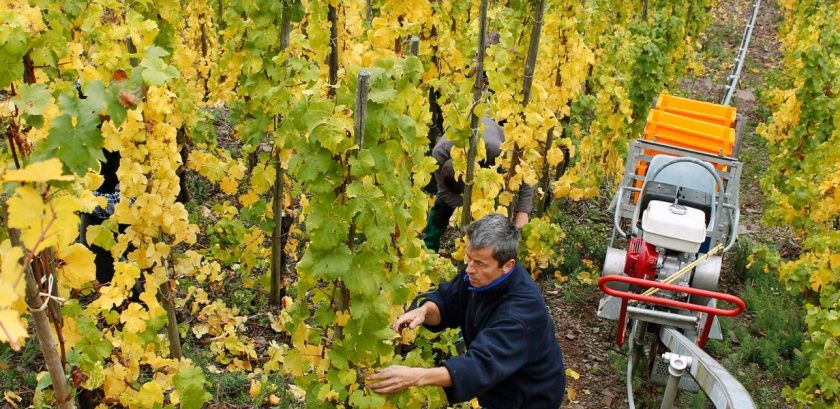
(626,296)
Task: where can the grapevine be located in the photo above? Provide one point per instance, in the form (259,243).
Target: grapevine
(294,181)
(801,185)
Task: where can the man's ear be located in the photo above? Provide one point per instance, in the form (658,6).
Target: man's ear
(509,265)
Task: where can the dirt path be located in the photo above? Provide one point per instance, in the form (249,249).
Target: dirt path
(587,341)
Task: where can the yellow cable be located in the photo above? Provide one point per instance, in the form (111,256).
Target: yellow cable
(687,268)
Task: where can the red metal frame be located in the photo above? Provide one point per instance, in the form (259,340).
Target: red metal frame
(626,296)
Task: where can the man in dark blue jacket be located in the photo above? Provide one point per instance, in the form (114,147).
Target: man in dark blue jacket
(513,359)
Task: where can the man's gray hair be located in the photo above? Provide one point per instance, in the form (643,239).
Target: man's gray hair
(495,232)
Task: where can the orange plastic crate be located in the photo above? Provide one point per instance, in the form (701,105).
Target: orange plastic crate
(685,132)
(703,111)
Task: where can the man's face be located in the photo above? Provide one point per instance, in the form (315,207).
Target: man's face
(482,268)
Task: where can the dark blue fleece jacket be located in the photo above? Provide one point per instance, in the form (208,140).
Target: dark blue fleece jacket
(513,359)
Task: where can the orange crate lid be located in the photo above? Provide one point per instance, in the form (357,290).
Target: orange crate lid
(704,111)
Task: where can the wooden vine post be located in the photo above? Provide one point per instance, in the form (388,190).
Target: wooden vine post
(166,295)
(530,65)
(278,259)
(359,118)
(478,88)
(49,349)
(332,15)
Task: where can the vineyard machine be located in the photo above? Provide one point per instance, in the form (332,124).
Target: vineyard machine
(675,215)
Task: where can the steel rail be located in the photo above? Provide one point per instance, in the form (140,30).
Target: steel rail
(719,385)
(735,75)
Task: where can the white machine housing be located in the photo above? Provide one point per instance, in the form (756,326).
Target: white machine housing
(673,226)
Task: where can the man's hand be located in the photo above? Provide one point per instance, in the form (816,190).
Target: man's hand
(428,313)
(520,220)
(396,378)
(411,319)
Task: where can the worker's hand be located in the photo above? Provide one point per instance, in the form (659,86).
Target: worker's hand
(520,220)
(394,379)
(411,319)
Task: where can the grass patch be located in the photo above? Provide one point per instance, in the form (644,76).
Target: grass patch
(587,232)
(18,368)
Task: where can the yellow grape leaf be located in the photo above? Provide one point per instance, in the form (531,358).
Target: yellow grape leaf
(571,394)
(116,376)
(12,398)
(11,281)
(125,275)
(408,336)
(26,209)
(92,180)
(342,317)
(555,156)
(273,399)
(56,219)
(134,317)
(822,277)
(12,328)
(249,198)
(109,297)
(229,185)
(256,388)
(70,332)
(150,395)
(572,374)
(297,392)
(199,330)
(327,394)
(77,267)
(50,169)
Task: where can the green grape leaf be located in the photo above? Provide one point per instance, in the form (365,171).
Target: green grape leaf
(189,382)
(32,99)
(155,70)
(95,96)
(12,48)
(93,345)
(359,400)
(333,264)
(78,147)
(382,95)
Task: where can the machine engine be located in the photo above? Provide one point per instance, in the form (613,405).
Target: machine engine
(641,259)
